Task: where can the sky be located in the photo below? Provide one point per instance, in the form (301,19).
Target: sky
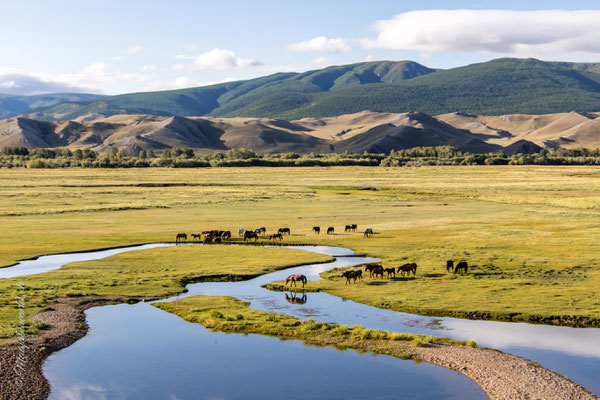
(113,47)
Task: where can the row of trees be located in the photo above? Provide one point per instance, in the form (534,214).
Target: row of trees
(186,158)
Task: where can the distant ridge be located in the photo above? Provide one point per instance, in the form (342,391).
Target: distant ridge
(497,87)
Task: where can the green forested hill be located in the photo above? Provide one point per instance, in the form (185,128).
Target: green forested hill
(501,86)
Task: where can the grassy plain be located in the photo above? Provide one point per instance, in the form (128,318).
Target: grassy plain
(152,273)
(533,230)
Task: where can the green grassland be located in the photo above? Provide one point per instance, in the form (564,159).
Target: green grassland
(531,230)
(151,273)
(227,314)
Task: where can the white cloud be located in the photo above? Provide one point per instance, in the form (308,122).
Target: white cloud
(26,84)
(321,44)
(521,33)
(134,50)
(215,60)
(100,74)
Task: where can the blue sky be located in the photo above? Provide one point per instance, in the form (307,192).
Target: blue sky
(124,46)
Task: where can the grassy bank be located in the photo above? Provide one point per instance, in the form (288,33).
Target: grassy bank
(151,273)
(532,231)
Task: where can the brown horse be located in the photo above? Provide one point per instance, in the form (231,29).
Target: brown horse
(284,231)
(296,278)
(390,271)
(250,235)
(371,268)
(181,237)
(357,274)
(276,236)
(408,268)
(378,272)
(295,300)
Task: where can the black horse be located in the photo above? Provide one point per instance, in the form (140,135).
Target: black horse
(181,237)
(449,265)
(250,235)
(317,230)
(461,267)
(330,230)
(348,228)
(408,268)
(368,232)
(276,236)
(284,231)
(357,274)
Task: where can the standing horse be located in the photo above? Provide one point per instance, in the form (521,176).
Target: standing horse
(354,227)
(240,232)
(378,272)
(276,236)
(357,274)
(348,228)
(197,237)
(296,278)
(368,232)
(461,266)
(408,268)
(317,230)
(226,235)
(284,231)
(390,271)
(449,265)
(181,237)
(330,230)
(370,268)
(250,235)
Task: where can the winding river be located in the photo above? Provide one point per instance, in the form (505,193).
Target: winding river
(139,351)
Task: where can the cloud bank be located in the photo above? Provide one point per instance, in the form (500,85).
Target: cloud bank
(24,84)
(321,44)
(215,60)
(521,33)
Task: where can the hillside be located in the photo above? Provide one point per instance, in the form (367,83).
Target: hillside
(13,105)
(365,131)
(502,86)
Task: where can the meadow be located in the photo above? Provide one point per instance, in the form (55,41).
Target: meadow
(532,231)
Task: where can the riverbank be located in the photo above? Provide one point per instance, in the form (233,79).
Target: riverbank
(500,375)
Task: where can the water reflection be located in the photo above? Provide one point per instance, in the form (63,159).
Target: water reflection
(294,298)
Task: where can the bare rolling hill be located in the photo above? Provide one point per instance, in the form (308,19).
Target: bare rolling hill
(364,131)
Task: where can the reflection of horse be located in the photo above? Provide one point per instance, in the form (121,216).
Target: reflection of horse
(461,266)
(317,230)
(449,265)
(357,274)
(250,235)
(292,298)
(296,278)
(371,268)
(276,236)
(284,231)
(181,237)
(368,232)
(390,271)
(330,230)
(408,268)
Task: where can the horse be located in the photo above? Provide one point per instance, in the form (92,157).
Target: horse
(197,236)
(408,268)
(295,300)
(284,231)
(378,272)
(276,236)
(357,274)
(449,265)
(217,240)
(330,230)
(461,266)
(368,232)
(371,268)
(354,227)
(181,237)
(240,232)
(296,278)
(390,271)
(250,235)
(348,228)
(226,235)
(317,230)
(257,231)
(208,240)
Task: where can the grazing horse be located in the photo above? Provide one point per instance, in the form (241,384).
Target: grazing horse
(357,274)
(197,236)
(250,235)
(390,271)
(378,272)
(296,278)
(276,236)
(461,266)
(368,232)
(181,237)
(354,227)
(408,268)
(226,235)
(330,230)
(208,240)
(240,232)
(295,300)
(371,268)
(317,230)
(284,231)
(348,228)
(257,231)
(449,265)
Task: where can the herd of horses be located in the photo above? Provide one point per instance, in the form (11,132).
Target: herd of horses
(218,236)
